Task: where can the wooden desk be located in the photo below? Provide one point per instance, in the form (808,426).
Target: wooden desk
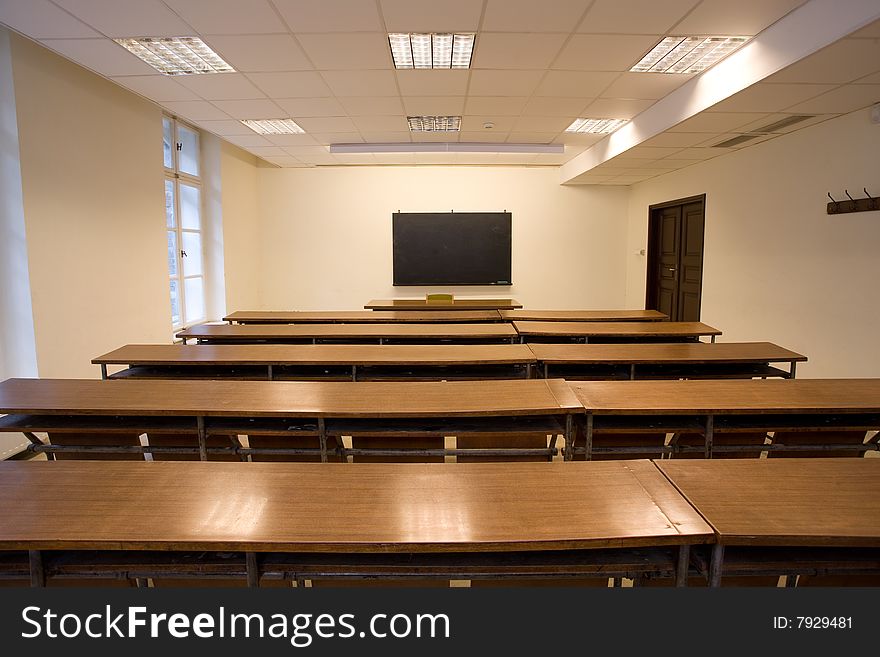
(665,361)
(613,331)
(584,315)
(350,333)
(282,519)
(286,408)
(707,407)
(758,506)
(360,316)
(316,362)
(455,304)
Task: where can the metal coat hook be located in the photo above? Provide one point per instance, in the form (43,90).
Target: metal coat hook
(836,205)
(867,204)
(873,203)
(852,205)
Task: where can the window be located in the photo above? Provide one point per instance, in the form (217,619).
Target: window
(183,222)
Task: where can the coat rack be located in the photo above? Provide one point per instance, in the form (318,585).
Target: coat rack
(853,205)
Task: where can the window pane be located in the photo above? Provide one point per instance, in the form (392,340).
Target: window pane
(169,203)
(195,299)
(188,155)
(192,247)
(190,207)
(172,253)
(168,142)
(175,304)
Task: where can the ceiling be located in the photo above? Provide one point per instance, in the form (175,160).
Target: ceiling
(537,65)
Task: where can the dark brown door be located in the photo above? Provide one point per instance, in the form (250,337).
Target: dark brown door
(675,258)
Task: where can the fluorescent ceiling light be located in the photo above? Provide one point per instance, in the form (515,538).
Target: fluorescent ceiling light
(446,147)
(434,123)
(274,126)
(431,50)
(598,126)
(681,54)
(176,55)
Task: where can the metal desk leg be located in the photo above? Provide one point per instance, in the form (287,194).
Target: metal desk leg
(269,373)
(322,438)
(710,434)
(681,570)
(712,339)
(203,440)
(793,369)
(530,371)
(38,574)
(546,369)
(715,565)
(588,438)
(568,435)
(253,570)
(354,373)
(103,370)
(632,372)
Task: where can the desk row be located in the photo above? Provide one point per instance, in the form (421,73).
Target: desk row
(440,313)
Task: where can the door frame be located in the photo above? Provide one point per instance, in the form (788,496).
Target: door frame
(651,283)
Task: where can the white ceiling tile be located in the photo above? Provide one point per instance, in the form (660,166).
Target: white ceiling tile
(156,87)
(555,106)
(634,16)
(575,84)
(673,163)
(228,16)
(648,153)
(433,82)
(221,86)
(531,137)
(679,139)
(843,61)
(697,153)
(224,128)
(261,52)
(504,83)
(717,121)
(317,160)
(578,139)
(615,108)
(297,107)
(434,105)
(286,161)
(330,15)
(128,18)
(475,123)
(371,105)
(431,16)
(531,16)
(496,105)
(483,136)
(250,109)
(372,137)
(308,84)
(766,97)
(361,83)
(324,124)
(723,17)
(517,51)
(40,19)
(347,51)
(380,123)
(292,140)
(100,55)
(603,52)
(841,100)
(268,151)
(338,137)
(644,85)
(197,110)
(553,124)
(303,151)
(869,79)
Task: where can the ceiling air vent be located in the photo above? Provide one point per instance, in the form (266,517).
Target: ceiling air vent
(735,141)
(784,123)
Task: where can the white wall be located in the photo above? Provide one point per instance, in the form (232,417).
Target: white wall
(777,267)
(92,177)
(326,234)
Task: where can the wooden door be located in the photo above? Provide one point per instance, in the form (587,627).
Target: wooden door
(675,258)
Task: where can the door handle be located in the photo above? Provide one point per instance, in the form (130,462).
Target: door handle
(671,268)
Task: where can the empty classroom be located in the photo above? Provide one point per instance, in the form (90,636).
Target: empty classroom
(468,294)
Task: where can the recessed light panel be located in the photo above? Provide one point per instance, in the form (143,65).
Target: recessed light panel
(434,123)
(176,55)
(598,126)
(680,54)
(430,50)
(274,126)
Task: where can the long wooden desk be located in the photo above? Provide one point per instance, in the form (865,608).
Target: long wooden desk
(613,331)
(707,407)
(351,333)
(788,516)
(359,316)
(455,304)
(316,362)
(665,361)
(315,409)
(584,315)
(293,521)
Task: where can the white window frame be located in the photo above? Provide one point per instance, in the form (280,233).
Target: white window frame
(178,177)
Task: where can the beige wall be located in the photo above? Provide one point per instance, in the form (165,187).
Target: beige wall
(91,168)
(241,227)
(326,234)
(777,267)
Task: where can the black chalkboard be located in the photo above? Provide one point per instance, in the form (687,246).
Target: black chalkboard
(451,248)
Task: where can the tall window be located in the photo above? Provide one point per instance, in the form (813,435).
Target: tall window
(183,217)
